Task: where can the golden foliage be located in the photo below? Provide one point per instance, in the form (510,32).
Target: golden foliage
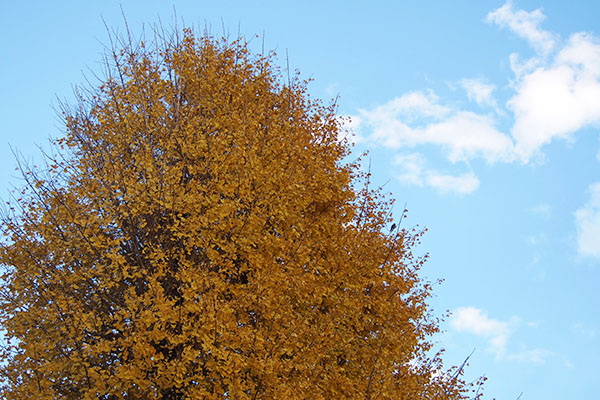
(200,237)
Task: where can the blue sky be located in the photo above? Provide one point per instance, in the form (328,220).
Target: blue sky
(483,116)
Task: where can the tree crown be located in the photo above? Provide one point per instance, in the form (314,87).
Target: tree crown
(199,235)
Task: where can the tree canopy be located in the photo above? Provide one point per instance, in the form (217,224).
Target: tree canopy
(198,234)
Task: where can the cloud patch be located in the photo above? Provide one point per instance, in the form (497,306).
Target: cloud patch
(543,210)
(557,99)
(475,321)
(524,24)
(472,320)
(417,119)
(413,171)
(537,356)
(584,330)
(480,91)
(587,220)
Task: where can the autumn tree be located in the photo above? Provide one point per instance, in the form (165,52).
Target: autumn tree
(198,235)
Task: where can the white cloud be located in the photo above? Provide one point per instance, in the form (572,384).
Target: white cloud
(412,106)
(480,91)
(521,68)
(475,321)
(553,97)
(556,100)
(540,357)
(582,52)
(497,334)
(411,168)
(525,24)
(536,356)
(463,135)
(413,171)
(467,135)
(587,220)
(461,184)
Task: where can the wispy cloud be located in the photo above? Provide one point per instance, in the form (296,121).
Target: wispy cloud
(411,106)
(584,330)
(525,24)
(480,91)
(413,171)
(535,240)
(497,333)
(539,356)
(462,184)
(543,210)
(587,220)
(476,321)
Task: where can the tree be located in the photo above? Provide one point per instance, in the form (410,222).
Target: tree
(198,235)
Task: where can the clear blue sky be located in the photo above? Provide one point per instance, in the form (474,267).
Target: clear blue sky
(484,116)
